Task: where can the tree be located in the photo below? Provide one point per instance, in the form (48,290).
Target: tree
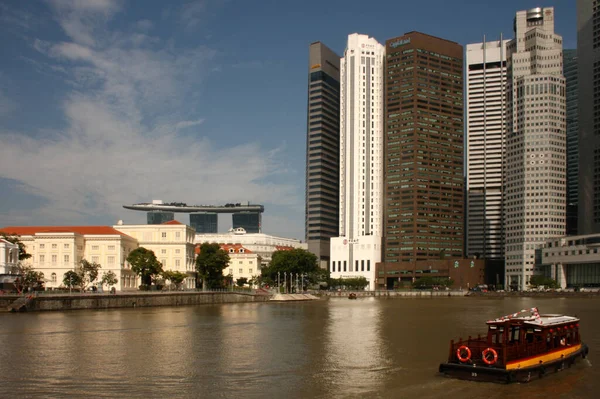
(429,282)
(353,283)
(174,277)
(210,263)
(296,261)
(72,279)
(16,239)
(242,281)
(28,279)
(88,273)
(144,263)
(109,278)
(537,280)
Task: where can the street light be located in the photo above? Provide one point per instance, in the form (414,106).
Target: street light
(285,282)
(278,284)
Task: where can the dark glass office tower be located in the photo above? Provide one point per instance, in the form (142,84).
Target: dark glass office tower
(423,149)
(322,151)
(570,74)
(159,217)
(250,221)
(588,57)
(204,223)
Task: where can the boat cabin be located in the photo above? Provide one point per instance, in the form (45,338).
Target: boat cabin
(518,340)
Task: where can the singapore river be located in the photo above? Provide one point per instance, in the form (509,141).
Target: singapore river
(331,348)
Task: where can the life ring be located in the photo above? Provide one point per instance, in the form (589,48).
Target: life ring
(459,354)
(485,354)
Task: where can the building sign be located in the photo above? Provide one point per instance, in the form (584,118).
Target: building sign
(399,43)
(472,263)
(455,263)
(315,66)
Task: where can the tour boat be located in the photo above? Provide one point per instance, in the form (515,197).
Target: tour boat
(352,295)
(518,347)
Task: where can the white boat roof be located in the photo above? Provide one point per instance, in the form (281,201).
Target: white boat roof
(533,317)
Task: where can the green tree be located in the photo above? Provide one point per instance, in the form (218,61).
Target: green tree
(296,261)
(210,263)
(174,277)
(109,278)
(16,239)
(88,273)
(144,263)
(429,282)
(353,283)
(537,280)
(240,282)
(72,279)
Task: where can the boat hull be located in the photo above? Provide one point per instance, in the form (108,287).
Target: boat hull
(500,375)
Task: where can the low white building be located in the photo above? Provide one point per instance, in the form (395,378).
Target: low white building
(573,261)
(9,256)
(260,244)
(243,263)
(172,242)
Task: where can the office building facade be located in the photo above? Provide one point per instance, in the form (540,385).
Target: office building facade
(424,198)
(205,222)
(485,120)
(570,72)
(357,249)
(322,151)
(536,167)
(588,52)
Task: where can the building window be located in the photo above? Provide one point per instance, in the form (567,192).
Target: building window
(111,247)
(177,251)
(95,259)
(53,277)
(163,251)
(177,234)
(111,260)
(164,262)
(95,247)
(54,246)
(42,246)
(177,262)
(54,257)
(230,271)
(66,259)
(164,235)
(66,246)
(42,258)
(250,271)
(241,271)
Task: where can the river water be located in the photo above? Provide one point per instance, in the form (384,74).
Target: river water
(331,348)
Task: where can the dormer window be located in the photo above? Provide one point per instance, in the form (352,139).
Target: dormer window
(231,250)
(241,250)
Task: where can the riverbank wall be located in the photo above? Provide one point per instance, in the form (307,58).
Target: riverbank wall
(396,294)
(132,300)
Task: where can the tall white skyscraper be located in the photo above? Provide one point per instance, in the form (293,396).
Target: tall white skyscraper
(536,165)
(358,248)
(485,119)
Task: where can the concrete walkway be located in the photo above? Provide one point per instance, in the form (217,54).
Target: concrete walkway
(293,297)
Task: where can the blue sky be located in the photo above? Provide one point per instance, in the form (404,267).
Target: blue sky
(109,102)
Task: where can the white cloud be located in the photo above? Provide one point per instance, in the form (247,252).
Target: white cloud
(111,151)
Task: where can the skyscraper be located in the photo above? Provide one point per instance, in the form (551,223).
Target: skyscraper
(485,119)
(358,247)
(536,166)
(570,72)
(423,149)
(588,52)
(322,151)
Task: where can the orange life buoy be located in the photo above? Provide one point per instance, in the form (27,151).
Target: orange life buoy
(485,354)
(459,354)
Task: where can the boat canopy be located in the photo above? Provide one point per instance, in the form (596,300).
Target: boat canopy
(533,317)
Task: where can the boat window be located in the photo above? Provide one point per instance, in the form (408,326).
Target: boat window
(515,334)
(529,336)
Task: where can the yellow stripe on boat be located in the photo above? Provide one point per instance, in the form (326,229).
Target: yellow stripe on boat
(541,359)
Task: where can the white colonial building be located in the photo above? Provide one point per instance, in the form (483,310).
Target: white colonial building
(58,249)
(172,242)
(9,256)
(243,263)
(260,244)
(358,248)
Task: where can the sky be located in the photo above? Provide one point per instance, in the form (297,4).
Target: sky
(105,103)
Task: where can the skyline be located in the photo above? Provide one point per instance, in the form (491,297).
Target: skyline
(206,92)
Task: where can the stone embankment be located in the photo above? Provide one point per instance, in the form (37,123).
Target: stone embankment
(129,300)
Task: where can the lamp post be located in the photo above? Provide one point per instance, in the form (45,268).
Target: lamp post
(285,282)
(296,282)
(278,284)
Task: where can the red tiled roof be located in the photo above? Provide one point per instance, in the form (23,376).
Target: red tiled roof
(226,248)
(283,248)
(31,230)
(172,222)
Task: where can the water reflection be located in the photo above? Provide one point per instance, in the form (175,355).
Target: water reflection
(325,349)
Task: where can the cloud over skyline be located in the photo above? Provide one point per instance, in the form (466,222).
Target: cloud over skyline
(127,134)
